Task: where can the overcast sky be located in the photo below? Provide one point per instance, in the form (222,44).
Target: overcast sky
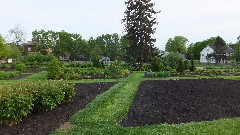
(196,20)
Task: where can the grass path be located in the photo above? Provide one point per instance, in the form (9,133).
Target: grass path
(103,115)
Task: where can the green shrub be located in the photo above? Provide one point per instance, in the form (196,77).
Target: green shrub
(192,67)
(19,99)
(37,59)
(20,66)
(172,59)
(68,90)
(115,70)
(79,65)
(180,66)
(54,69)
(16,102)
(47,95)
(155,64)
(6,75)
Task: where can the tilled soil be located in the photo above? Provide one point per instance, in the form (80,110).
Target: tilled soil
(42,123)
(17,77)
(182,101)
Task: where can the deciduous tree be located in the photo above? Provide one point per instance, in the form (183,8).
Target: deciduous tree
(177,44)
(17,35)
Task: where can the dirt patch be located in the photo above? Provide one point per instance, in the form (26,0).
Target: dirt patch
(17,77)
(42,123)
(183,101)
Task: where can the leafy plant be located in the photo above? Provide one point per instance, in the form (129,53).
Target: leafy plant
(54,69)
(155,64)
(20,66)
(115,70)
(19,99)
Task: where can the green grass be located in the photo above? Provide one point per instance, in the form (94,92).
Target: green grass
(103,115)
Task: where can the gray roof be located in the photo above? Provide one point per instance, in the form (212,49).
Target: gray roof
(28,43)
(227,50)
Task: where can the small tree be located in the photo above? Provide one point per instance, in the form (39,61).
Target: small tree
(17,35)
(192,67)
(155,64)
(54,69)
(180,66)
(186,65)
(4,49)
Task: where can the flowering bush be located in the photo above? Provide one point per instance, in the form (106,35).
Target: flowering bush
(19,99)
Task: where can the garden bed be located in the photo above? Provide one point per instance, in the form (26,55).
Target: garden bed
(183,101)
(45,122)
(17,77)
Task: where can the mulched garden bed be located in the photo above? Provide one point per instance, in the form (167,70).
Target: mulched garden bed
(42,123)
(182,101)
(17,77)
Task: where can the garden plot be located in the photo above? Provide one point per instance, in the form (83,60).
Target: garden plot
(183,101)
(46,122)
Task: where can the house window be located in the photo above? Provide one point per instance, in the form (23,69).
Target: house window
(29,48)
(202,54)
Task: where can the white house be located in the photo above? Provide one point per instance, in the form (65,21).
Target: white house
(204,53)
(228,53)
(105,60)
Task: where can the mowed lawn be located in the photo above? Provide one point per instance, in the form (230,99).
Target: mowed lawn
(104,114)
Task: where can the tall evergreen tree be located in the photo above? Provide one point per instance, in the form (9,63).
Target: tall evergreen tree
(139,22)
(220,45)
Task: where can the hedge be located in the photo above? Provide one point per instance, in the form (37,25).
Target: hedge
(19,99)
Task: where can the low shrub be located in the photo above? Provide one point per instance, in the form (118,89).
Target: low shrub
(37,59)
(6,75)
(79,65)
(115,70)
(19,99)
(155,64)
(20,66)
(16,102)
(54,69)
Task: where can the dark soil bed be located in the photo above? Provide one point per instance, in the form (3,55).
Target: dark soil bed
(42,123)
(183,101)
(17,77)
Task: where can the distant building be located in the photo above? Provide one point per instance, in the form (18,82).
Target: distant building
(105,60)
(29,48)
(228,53)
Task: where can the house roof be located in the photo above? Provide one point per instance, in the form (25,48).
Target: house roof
(227,50)
(28,43)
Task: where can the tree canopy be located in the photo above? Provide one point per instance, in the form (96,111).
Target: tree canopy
(5,50)
(177,44)
(139,22)
(194,49)
(17,35)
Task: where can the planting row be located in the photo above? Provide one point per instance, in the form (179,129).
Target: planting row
(56,70)
(7,75)
(200,72)
(20,99)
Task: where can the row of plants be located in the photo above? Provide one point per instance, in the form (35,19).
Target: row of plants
(36,60)
(57,70)
(20,99)
(7,75)
(199,72)
(79,65)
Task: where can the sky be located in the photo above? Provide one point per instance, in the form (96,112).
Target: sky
(197,20)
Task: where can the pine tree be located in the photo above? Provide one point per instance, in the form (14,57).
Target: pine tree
(139,21)
(220,46)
